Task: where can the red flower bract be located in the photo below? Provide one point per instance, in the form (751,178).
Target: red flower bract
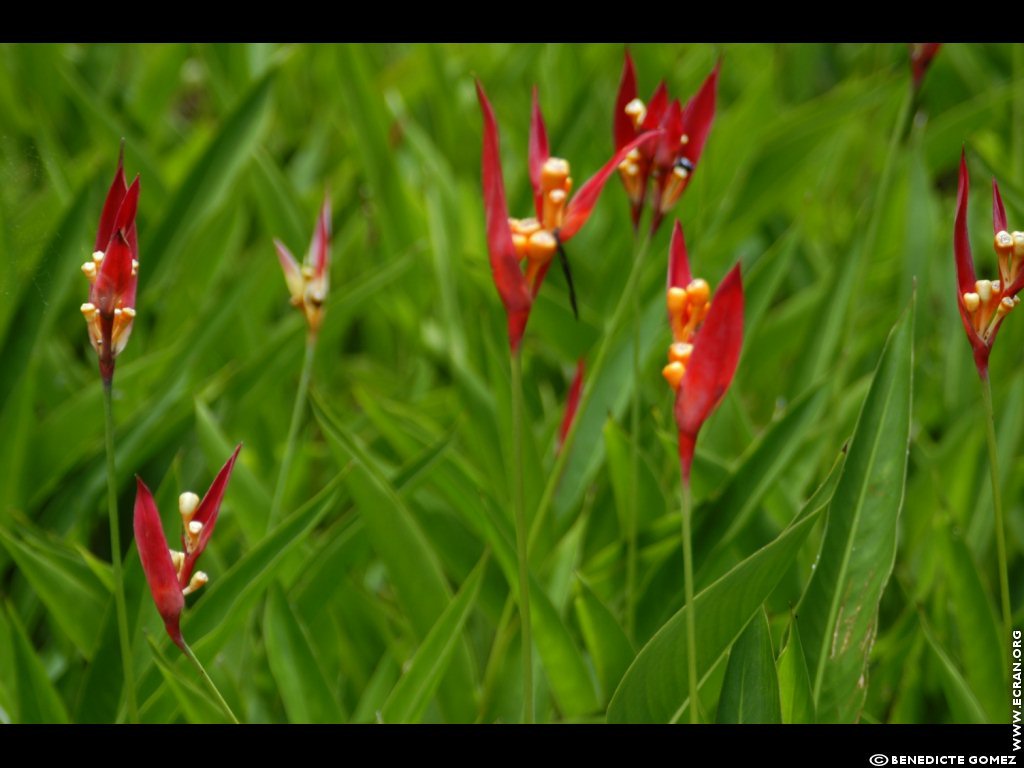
(168,572)
(113,272)
(572,403)
(984,304)
(308,284)
(558,217)
(707,339)
(671,161)
(921,55)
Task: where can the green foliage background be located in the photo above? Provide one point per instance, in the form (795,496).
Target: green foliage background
(384,594)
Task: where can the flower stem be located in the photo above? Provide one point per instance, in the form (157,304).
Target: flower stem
(293,432)
(625,301)
(691,618)
(997,502)
(521,534)
(209,682)
(115,557)
(634,458)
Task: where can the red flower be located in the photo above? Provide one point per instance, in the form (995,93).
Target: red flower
(984,304)
(572,403)
(113,273)
(308,284)
(921,55)
(707,338)
(671,161)
(558,217)
(169,572)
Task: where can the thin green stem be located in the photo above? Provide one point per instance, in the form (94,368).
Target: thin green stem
(209,682)
(115,557)
(293,432)
(997,502)
(633,501)
(608,337)
(521,535)
(691,618)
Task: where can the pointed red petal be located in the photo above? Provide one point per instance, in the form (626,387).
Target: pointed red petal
(623,128)
(698,116)
(115,194)
(572,403)
(156,561)
(965,275)
(320,247)
(656,108)
(508,277)
(716,352)
(290,267)
(668,145)
(678,263)
(998,211)
(114,279)
(921,55)
(209,508)
(539,153)
(582,203)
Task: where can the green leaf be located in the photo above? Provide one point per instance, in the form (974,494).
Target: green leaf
(840,604)
(655,689)
(962,701)
(750,691)
(649,496)
(411,561)
(73,594)
(794,680)
(607,643)
(194,702)
(726,515)
(975,619)
(209,180)
(38,700)
(301,683)
(424,671)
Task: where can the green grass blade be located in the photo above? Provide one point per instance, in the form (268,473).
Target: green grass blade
(655,689)
(605,640)
(424,671)
(840,604)
(195,704)
(795,692)
(38,700)
(304,690)
(750,691)
(964,704)
(208,182)
(412,563)
(72,593)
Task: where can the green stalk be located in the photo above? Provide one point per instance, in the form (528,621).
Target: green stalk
(521,535)
(691,618)
(634,459)
(209,682)
(115,556)
(293,432)
(997,502)
(625,301)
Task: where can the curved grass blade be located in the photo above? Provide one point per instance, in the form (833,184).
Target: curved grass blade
(38,700)
(794,680)
(424,672)
(840,605)
(750,691)
(304,690)
(655,689)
